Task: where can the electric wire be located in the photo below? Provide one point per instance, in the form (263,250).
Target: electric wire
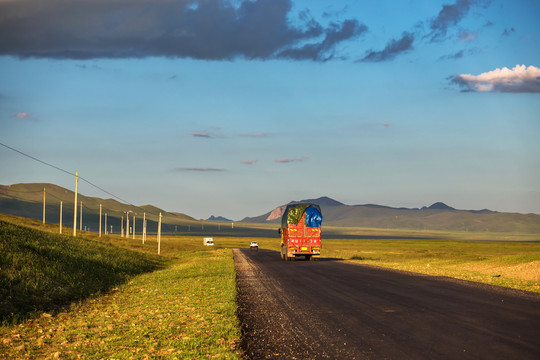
(72,174)
(36,159)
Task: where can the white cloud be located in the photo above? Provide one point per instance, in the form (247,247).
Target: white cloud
(519,79)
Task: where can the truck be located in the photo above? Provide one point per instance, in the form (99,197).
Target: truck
(208,241)
(301,232)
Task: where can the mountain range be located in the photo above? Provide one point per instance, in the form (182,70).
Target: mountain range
(27,200)
(217,218)
(437,216)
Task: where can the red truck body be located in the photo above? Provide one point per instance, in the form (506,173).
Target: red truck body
(300,239)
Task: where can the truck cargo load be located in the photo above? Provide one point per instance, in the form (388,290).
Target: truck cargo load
(301,232)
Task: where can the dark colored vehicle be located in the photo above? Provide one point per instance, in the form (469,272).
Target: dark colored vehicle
(301,232)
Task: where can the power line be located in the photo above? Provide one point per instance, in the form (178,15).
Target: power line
(105,191)
(36,159)
(69,173)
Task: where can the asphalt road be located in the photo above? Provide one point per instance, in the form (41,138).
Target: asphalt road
(335,310)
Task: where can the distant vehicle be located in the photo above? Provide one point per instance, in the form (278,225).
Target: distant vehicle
(301,232)
(208,242)
(254,245)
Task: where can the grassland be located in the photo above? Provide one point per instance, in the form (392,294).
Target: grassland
(183,303)
(182,306)
(509,264)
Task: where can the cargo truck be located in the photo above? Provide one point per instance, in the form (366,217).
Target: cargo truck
(301,232)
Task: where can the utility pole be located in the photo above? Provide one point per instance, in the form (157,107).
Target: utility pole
(44,205)
(144,228)
(99,220)
(159,235)
(75,206)
(106,232)
(80,220)
(133,227)
(122,226)
(60,217)
(127,225)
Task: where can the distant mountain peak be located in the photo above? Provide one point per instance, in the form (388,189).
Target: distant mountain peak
(217,218)
(440,206)
(322,201)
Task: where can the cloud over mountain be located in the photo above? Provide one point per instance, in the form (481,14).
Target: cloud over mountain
(209,29)
(520,79)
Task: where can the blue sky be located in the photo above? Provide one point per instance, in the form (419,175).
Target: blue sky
(232,108)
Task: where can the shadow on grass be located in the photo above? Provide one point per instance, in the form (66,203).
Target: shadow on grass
(44,272)
(361,258)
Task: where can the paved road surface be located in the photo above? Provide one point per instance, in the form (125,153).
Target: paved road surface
(336,310)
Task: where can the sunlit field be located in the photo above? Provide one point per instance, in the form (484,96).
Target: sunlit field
(182,303)
(514,264)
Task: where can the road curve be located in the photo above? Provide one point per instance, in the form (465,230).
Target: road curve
(336,310)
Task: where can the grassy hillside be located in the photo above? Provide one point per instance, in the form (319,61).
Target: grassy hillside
(27,200)
(41,271)
(180,305)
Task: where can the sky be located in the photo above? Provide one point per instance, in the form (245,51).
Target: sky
(232,108)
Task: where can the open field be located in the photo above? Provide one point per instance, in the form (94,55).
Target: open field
(505,259)
(180,305)
(514,264)
(184,304)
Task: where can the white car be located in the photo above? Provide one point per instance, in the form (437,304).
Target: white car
(254,245)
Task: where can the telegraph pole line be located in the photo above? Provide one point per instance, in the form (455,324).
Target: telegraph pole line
(80,220)
(99,220)
(133,227)
(122,226)
(106,233)
(44,205)
(60,217)
(144,228)
(159,235)
(75,206)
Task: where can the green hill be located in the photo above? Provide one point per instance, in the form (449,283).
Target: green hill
(42,271)
(26,200)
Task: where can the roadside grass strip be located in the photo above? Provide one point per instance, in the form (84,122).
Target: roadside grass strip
(41,271)
(510,264)
(185,311)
